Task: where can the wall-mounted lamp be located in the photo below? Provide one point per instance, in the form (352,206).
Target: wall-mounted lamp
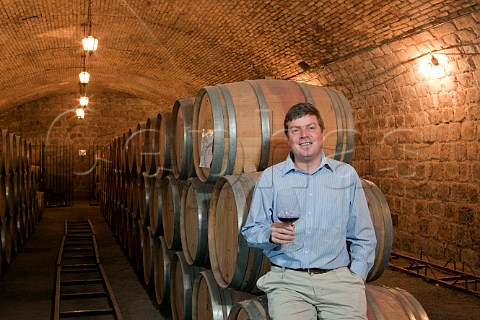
(433,66)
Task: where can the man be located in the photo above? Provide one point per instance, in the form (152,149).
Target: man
(322,279)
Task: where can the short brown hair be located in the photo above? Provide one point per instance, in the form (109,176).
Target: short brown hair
(299,110)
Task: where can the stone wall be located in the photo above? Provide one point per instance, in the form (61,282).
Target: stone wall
(417,134)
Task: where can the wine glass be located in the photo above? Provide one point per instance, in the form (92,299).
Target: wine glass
(288,210)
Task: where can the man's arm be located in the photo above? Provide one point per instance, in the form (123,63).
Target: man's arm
(360,232)
(257,228)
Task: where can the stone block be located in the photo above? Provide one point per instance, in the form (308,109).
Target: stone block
(443,30)
(465,215)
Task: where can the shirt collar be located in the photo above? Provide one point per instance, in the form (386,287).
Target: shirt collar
(289,165)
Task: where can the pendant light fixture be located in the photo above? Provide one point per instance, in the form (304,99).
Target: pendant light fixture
(90,44)
(84,75)
(84,101)
(80,113)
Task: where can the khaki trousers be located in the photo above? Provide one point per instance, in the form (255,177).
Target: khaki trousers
(297,295)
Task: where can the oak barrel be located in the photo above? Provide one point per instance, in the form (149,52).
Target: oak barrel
(212,302)
(22,233)
(124,188)
(182,158)
(116,185)
(6,240)
(171,211)
(139,137)
(122,225)
(1,246)
(392,304)
(137,247)
(27,153)
(114,154)
(163,144)
(382,222)
(19,153)
(382,303)
(32,216)
(253,309)
(19,195)
(162,261)
(147,239)
(130,184)
(182,278)
(194,222)
(233,263)
(24,188)
(129,237)
(122,161)
(14,235)
(144,183)
(134,196)
(5,152)
(151,137)
(4,205)
(156,200)
(130,151)
(14,163)
(9,181)
(238,126)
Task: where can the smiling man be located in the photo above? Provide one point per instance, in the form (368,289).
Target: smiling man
(322,278)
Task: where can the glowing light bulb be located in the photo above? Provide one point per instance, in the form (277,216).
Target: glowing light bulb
(84,77)
(80,113)
(84,101)
(90,43)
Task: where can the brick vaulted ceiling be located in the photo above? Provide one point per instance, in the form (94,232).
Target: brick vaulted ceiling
(162,50)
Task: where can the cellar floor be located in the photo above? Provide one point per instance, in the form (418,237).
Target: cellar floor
(27,284)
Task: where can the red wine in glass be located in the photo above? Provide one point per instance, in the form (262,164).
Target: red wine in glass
(288,210)
(288,219)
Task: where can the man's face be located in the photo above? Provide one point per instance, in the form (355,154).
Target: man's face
(305,138)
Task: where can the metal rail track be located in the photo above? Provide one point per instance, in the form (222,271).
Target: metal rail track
(81,285)
(463,279)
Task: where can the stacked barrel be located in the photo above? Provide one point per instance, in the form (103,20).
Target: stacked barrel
(21,206)
(176,191)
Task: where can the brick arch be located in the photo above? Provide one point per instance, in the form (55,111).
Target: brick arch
(163,50)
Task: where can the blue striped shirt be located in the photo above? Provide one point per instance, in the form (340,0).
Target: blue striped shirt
(334,210)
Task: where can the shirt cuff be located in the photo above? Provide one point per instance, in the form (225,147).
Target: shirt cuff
(360,269)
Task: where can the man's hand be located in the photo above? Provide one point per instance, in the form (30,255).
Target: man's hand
(282,232)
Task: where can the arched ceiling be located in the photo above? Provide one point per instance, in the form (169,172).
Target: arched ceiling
(162,50)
